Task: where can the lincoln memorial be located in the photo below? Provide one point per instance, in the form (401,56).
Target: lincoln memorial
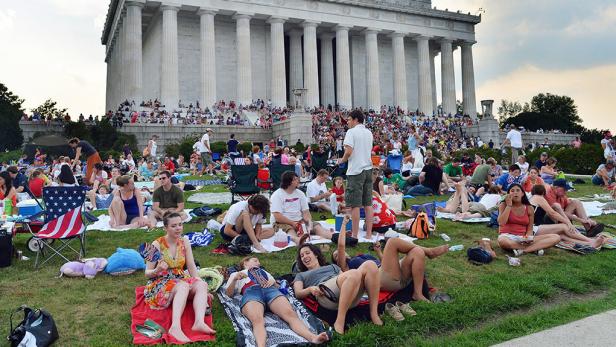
(353,53)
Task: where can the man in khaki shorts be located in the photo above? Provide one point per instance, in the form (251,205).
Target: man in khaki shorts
(357,151)
(290,209)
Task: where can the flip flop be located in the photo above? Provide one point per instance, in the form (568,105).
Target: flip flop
(148,332)
(153,325)
(595,230)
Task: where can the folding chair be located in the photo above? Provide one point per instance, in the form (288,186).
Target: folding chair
(319,161)
(394,162)
(276,171)
(62,221)
(243,181)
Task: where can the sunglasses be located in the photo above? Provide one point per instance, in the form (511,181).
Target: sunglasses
(162,178)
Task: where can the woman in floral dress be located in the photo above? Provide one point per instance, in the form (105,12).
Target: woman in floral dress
(169,284)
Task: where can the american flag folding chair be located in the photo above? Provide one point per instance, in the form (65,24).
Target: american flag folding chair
(62,221)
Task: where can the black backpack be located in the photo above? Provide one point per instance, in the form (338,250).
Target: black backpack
(478,256)
(37,328)
(241,245)
(206,211)
(6,248)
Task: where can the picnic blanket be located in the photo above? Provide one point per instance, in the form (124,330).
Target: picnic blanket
(268,244)
(278,331)
(452,216)
(203,183)
(361,313)
(103,223)
(595,208)
(211,198)
(142,311)
(146,184)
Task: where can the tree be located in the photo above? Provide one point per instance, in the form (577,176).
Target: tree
(562,108)
(11,136)
(50,108)
(508,109)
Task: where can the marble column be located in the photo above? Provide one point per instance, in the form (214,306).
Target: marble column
(468,80)
(244,61)
(399,70)
(433,54)
(448,80)
(328,89)
(208,58)
(343,68)
(133,51)
(279,79)
(296,65)
(372,68)
(311,65)
(425,78)
(169,83)
(121,92)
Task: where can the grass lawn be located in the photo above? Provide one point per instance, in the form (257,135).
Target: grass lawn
(491,303)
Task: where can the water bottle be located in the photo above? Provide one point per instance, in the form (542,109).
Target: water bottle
(456,248)
(445,237)
(8,207)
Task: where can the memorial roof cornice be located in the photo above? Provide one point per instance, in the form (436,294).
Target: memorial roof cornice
(407,7)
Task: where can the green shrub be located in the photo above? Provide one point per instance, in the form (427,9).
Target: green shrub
(219,147)
(184,146)
(11,156)
(246,147)
(581,161)
(299,147)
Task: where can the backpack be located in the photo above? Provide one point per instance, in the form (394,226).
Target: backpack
(493,223)
(206,211)
(478,256)
(241,245)
(420,227)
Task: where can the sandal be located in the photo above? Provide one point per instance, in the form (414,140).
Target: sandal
(153,325)
(405,308)
(148,332)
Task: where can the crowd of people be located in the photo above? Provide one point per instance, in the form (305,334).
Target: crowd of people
(534,212)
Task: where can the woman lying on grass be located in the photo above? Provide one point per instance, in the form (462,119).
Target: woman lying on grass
(515,221)
(333,287)
(549,221)
(168,281)
(395,273)
(257,297)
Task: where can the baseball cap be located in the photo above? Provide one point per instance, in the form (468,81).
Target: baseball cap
(209,130)
(561,182)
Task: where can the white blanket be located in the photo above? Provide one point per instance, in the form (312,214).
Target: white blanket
(211,198)
(268,244)
(103,223)
(595,208)
(452,216)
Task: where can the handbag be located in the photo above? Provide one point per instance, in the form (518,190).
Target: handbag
(37,329)
(146,152)
(393,201)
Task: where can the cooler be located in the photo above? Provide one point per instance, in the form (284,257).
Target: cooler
(28,208)
(339,219)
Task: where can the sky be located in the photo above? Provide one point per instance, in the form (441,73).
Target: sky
(52,50)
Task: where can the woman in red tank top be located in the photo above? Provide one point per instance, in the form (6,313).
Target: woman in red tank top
(515,225)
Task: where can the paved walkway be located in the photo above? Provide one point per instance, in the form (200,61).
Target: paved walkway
(597,330)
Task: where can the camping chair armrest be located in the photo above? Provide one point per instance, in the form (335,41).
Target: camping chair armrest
(90,217)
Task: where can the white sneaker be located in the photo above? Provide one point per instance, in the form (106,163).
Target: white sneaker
(517,252)
(540,252)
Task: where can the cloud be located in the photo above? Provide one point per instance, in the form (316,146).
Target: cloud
(591,88)
(7,20)
(90,9)
(602,20)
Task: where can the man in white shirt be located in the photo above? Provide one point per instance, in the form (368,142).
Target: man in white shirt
(206,154)
(290,211)
(358,143)
(317,191)
(514,139)
(247,217)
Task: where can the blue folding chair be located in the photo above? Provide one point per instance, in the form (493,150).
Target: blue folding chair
(394,162)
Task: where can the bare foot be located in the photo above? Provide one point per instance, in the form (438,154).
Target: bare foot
(436,251)
(377,320)
(419,297)
(204,328)
(598,241)
(485,244)
(339,327)
(319,339)
(178,334)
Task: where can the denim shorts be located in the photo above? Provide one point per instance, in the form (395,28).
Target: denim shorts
(263,295)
